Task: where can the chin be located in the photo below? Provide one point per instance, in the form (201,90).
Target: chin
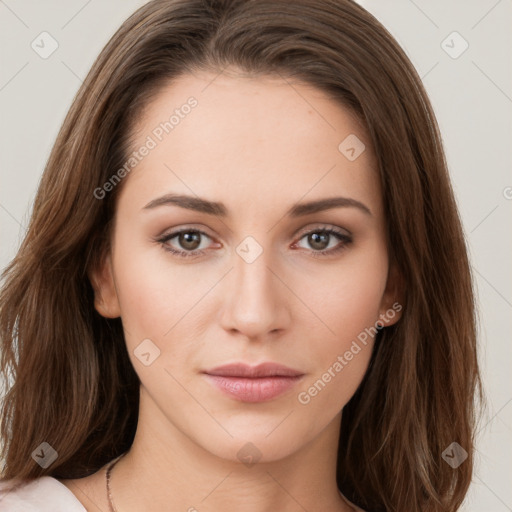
(251,445)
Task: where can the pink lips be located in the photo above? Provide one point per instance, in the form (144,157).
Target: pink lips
(253,383)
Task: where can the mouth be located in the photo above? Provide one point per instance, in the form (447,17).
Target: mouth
(253,383)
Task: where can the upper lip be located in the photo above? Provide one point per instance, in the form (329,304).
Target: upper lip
(267,369)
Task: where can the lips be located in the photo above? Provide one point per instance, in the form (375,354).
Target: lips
(253,383)
(261,370)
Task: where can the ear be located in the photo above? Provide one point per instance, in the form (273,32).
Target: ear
(392,299)
(106,301)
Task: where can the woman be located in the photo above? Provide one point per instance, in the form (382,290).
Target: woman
(245,284)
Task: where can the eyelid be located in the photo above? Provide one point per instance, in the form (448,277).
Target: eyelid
(320,226)
(185,228)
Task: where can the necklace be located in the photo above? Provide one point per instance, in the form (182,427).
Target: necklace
(109,493)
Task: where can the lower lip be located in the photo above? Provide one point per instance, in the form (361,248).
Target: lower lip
(254,389)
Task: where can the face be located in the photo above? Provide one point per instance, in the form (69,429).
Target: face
(255,275)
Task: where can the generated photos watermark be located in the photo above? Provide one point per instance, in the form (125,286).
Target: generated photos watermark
(157,135)
(305,397)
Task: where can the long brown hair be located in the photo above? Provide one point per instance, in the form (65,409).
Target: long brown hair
(68,379)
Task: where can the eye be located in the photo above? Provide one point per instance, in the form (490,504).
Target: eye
(323,241)
(326,241)
(188,239)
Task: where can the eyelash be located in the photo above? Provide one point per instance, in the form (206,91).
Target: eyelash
(346,239)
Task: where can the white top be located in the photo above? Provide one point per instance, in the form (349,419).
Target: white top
(44,494)
(47,494)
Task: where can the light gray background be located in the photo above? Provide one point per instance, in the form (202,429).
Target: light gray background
(472,98)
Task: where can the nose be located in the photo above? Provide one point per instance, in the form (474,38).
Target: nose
(255,300)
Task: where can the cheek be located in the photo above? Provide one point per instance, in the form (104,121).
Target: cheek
(154,293)
(341,354)
(160,302)
(347,297)
(348,303)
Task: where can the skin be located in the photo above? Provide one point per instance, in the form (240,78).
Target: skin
(259,145)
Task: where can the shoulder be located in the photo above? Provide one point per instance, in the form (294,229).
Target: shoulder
(43,494)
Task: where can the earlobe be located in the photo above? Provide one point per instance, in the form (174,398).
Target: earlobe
(392,299)
(106,301)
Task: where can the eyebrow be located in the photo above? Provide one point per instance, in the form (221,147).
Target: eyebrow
(219,209)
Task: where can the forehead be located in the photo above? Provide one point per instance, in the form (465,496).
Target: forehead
(251,141)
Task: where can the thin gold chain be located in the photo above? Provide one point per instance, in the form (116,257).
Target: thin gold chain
(109,492)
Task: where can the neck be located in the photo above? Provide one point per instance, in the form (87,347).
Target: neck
(166,468)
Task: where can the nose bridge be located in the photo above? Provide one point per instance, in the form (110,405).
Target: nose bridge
(253,304)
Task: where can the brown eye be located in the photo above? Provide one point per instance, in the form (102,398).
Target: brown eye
(189,240)
(322,242)
(319,240)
